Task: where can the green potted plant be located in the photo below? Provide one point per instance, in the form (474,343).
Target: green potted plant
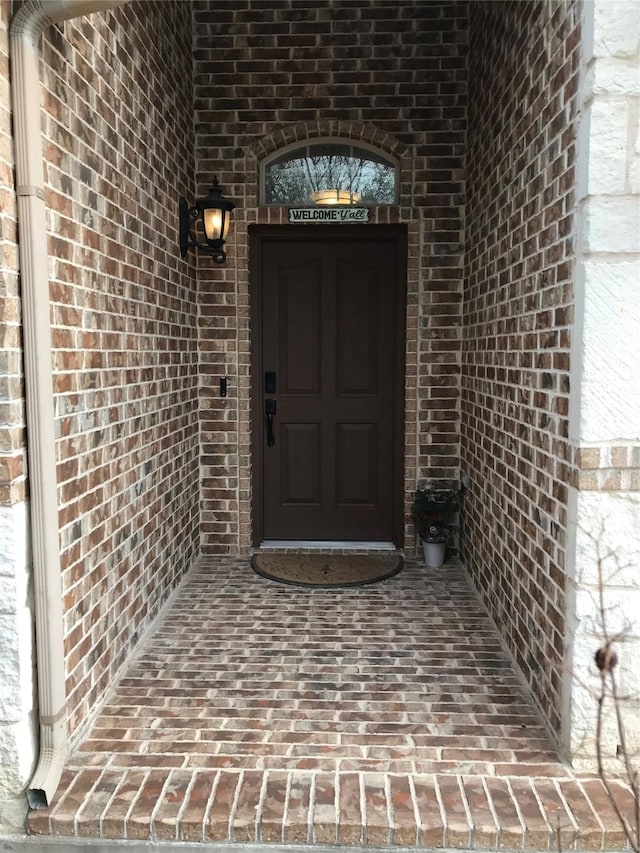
(433,512)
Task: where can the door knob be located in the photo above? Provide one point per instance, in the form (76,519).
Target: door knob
(270,409)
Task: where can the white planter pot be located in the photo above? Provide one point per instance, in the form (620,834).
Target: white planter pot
(434,553)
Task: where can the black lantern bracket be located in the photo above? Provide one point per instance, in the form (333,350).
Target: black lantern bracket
(211,215)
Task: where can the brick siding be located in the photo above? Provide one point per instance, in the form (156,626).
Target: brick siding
(139,348)
(611,468)
(518,313)
(390,73)
(118,153)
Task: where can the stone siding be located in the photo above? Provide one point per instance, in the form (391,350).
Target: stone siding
(518,314)
(118,145)
(18,723)
(605,423)
(392,74)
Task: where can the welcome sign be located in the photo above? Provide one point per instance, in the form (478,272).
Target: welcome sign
(328,214)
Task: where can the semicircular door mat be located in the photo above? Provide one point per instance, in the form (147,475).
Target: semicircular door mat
(327,570)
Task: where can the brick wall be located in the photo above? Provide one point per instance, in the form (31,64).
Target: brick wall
(133,336)
(518,312)
(389,73)
(118,150)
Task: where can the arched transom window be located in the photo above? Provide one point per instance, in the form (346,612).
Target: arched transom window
(326,172)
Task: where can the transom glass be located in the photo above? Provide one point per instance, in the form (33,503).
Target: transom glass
(329,173)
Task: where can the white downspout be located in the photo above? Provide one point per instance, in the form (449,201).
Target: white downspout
(26,27)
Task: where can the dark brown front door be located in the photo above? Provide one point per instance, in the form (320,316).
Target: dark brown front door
(327,308)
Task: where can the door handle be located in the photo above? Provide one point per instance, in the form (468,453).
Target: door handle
(270,409)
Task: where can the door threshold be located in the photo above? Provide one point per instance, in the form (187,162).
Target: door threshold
(321,544)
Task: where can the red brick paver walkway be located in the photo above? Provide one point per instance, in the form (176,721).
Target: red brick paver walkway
(379,715)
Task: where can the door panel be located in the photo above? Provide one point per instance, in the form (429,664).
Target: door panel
(299,328)
(356,464)
(357,325)
(325,316)
(300,464)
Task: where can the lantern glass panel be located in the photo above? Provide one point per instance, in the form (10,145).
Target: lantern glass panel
(216,224)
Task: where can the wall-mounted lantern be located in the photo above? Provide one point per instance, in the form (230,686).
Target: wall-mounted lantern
(211,213)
